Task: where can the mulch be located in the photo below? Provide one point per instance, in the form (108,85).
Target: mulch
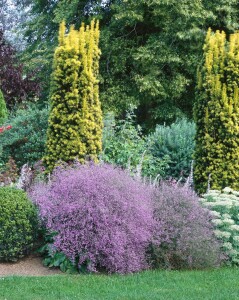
(28,266)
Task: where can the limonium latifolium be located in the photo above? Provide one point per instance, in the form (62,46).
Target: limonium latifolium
(187,238)
(103,217)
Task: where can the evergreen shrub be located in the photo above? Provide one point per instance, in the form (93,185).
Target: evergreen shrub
(103,217)
(25,142)
(177,143)
(224,206)
(18,224)
(186,236)
(3,109)
(125,145)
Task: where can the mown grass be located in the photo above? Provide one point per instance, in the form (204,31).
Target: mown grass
(149,285)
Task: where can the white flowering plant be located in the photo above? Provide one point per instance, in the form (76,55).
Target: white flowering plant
(224,207)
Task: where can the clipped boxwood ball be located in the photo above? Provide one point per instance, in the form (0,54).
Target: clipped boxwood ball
(18,224)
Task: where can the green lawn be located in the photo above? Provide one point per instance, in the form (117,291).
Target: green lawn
(204,285)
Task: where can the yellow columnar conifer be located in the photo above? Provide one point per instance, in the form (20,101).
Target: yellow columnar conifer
(216,113)
(75,121)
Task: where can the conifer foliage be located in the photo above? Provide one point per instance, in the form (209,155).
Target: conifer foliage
(3,109)
(75,121)
(216,113)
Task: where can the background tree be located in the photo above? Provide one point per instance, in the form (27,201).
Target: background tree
(75,122)
(15,84)
(11,17)
(40,31)
(150,52)
(150,49)
(217,114)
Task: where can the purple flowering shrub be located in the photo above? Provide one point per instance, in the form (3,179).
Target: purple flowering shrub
(103,217)
(185,231)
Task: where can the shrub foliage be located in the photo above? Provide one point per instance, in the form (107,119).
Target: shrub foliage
(25,142)
(177,143)
(3,109)
(18,224)
(125,145)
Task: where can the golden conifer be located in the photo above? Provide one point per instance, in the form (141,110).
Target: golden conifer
(75,121)
(216,114)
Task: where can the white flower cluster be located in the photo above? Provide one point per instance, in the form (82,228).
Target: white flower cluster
(236,240)
(217,222)
(234,227)
(224,208)
(215,214)
(228,222)
(224,235)
(227,246)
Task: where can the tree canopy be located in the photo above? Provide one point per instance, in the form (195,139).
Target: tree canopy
(15,84)
(150,49)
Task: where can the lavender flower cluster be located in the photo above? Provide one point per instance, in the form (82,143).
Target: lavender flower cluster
(186,237)
(103,217)
(107,220)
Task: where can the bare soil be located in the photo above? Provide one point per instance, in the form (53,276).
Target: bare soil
(29,266)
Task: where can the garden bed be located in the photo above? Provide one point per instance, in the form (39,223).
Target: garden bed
(29,266)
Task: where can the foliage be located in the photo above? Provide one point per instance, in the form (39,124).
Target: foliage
(16,85)
(125,146)
(9,174)
(3,109)
(186,235)
(224,205)
(216,114)
(75,121)
(40,32)
(2,129)
(18,224)
(177,143)
(150,49)
(54,258)
(25,141)
(105,218)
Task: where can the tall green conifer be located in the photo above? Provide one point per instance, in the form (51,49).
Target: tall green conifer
(75,121)
(3,109)
(216,114)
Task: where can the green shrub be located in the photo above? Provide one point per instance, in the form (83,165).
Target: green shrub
(18,224)
(177,143)
(124,145)
(3,109)
(224,205)
(25,141)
